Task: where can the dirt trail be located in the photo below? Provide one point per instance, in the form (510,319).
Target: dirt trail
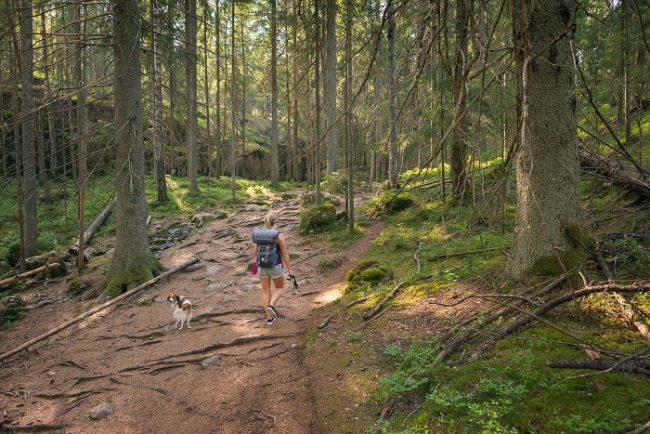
(255,382)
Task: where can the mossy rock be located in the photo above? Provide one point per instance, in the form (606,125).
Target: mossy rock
(329,263)
(13,254)
(391,203)
(317,219)
(367,273)
(78,285)
(335,182)
(117,283)
(309,198)
(12,309)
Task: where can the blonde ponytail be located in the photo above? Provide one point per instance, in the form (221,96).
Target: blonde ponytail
(269,220)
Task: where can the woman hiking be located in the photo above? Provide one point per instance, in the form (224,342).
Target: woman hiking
(271,257)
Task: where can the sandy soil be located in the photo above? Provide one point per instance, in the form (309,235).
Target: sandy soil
(243,376)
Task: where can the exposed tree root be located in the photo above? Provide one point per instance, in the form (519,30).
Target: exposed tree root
(144,344)
(461,254)
(53,396)
(155,389)
(38,427)
(237,341)
(70,363)
(97,309)
(89,378)
(208,315)
(645,428)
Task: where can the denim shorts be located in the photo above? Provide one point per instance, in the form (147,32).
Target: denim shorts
(273,272)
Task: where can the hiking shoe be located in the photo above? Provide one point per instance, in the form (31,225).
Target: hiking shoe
(270,309)
(270,321)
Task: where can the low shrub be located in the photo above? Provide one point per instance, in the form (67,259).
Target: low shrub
(317,219)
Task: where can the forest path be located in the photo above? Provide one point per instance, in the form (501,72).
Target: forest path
(243,376)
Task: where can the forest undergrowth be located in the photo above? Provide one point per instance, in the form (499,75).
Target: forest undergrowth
(445,263)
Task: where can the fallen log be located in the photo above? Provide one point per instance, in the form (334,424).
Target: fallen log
(375,310)
(607,287)
(93,311)
(626,177)
(632,367)
(30,273)
(95,225)
(461,254)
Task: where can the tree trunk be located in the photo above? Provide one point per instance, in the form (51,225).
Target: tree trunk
(627,67)
(297,172)
(548,165)
(82,130)
(161,183)
(330,88)
(393,169)
(206,47)
(275,164)
(290,155)
(349,148)
(190,72)
(217,145)
(317,85)
(28,129)
(51,128)
(233,101)
(459,143)
(132,261)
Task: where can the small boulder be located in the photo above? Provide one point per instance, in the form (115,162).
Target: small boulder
(201,218)
(213,269)
(253,208)
(101,411)
(210,361)
(317,218)
(309,198)
(218,286)
(145,300)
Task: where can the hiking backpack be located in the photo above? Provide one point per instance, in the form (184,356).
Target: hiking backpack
(268,253)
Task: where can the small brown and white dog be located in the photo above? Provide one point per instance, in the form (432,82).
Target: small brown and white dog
(182,308)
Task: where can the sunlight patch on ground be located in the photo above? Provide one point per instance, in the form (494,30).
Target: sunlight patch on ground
(330,294)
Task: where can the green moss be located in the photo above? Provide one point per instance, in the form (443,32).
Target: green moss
(391,203)
(317,218)
(581,237)
(328,263)
(118,283)
(367,273)
(12,309)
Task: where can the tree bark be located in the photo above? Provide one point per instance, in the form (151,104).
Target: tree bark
(161,183)
(206,85)
(317,85)
(217,144)
(330,88)
(459,144)
(233,105)
(82,130)
(393,164)
(51,128)
(296,173)
(28,129)
(275,164)
(548,165)
(349,148)
(190,70)
(132,261)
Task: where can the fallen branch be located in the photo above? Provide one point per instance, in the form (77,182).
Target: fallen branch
(72,395)
(415,256)
(39,427)
(326,321)
(92,229)
(645,428)
(29,273)
(630,178)
(607,287)
(603,365)
(461,254)
(375,310)
(98,308)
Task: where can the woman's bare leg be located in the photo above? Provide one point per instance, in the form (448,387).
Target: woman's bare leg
(266,294)
(278,282)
